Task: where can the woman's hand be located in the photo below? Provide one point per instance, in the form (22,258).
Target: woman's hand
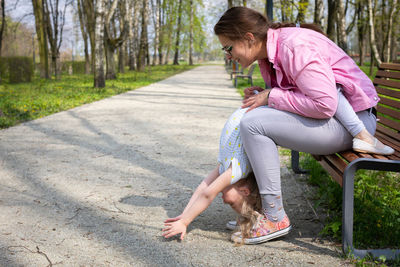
(248,92)
(256,100)
(174,228)
(173,219)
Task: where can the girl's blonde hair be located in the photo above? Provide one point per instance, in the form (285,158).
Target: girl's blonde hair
(251,206)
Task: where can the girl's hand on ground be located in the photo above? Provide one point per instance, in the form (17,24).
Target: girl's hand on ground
(173,219)
(174,228)
(256,100)
(248,92)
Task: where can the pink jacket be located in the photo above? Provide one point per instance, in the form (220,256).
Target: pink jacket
(308,66)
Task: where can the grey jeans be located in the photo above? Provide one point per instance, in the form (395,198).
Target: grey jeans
(263,128)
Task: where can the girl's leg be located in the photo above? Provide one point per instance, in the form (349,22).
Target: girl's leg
(346,115)
(363,141)
(262,129)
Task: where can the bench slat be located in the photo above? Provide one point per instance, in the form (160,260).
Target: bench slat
(387,111)
(349,155)
(335,173)
(390,123)
(338,162)
(394,157)
(390,102)
(387,92)
(388,74)
(385,82)
(389,66)
(387,140)
(389,132)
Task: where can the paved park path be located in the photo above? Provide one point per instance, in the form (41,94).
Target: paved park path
(91,186)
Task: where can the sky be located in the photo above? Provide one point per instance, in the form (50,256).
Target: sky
(21,10)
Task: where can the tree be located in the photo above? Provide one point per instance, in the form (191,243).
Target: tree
(301,15)
(55,21)
(133,21)
(332,9)
(362,28)
(191,33)
(388,39)
(341,25)
(141,60)
(156,20)
(99,80)
(38,10)
(84,30)
(178,32)
(89,17)
(111,40)
(318,12)
(371,25)
(161,34)
(3,22)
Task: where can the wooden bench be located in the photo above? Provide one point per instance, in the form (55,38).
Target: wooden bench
(343,166)
(235,69)
(249,75)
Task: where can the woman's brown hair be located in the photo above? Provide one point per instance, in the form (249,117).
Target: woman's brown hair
(237,21)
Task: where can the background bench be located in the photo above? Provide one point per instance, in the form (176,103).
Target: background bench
(248,76)
(343,166)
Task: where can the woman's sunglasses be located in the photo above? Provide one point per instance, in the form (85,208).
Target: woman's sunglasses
(227,50)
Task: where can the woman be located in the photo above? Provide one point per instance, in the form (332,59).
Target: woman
(305,71)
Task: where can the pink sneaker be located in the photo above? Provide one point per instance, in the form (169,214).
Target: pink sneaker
(264,230)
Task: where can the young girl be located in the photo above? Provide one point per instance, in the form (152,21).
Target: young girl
(241,194)
(304,70)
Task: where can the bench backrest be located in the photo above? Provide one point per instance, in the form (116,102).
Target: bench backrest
(251,70)
(387,84)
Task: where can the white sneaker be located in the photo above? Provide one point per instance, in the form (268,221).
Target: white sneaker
(231,225)
(364,147)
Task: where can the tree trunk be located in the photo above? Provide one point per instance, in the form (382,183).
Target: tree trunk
(132,33)
(99,80)
(178,32)
(301,15)
(230,3)
(191,35)
(121,59)
(161,36)
(330,31)
(156,30)
(372,65)
(88,9)
(389,32)
(374,50)
(3,22)
(361,31)
(141,61)
(38,9)
(318,12)
(83,25)
(341,26)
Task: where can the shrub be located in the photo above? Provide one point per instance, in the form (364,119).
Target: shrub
(78,67)
(16,69)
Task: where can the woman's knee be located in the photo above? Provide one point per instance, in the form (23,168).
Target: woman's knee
(251,122)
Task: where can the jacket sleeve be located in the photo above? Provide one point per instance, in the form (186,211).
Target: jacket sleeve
(314,92)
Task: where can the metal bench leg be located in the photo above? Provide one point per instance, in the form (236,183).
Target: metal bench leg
(296,164)
(348,206)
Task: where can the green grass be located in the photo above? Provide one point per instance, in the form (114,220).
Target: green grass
(28,101)
(376,200)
